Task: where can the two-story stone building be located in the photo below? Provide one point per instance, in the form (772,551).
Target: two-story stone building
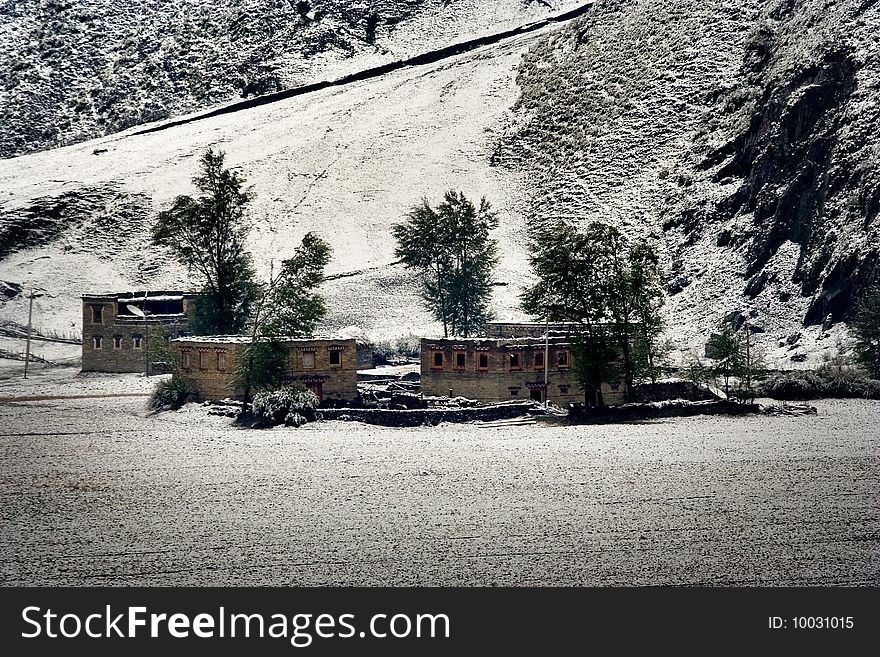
(328,367)
(117,327)
(536,367)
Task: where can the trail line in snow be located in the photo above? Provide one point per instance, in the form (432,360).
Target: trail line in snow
(430,57)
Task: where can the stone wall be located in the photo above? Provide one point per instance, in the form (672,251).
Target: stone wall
(117,344)
(500,379)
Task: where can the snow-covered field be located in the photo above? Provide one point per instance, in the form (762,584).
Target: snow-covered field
(99,491)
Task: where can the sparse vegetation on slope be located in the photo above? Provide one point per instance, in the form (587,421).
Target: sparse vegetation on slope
(741,138)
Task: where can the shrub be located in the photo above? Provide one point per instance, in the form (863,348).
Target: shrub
(794,386)
(826,381)
(291,405)
(169,394)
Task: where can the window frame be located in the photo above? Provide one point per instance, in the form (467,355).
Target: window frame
(567,354)
(519,359)
(480,356)
(117,342)
(137,342)
(337,354)
(535,356)
(434,364)
(310,355)
(221,360)
(97,342)
(455,365)
(98,311)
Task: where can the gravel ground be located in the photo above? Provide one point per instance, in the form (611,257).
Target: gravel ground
(101,492)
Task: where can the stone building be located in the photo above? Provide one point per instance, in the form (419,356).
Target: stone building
(328,367)
(117,328)
(503,369)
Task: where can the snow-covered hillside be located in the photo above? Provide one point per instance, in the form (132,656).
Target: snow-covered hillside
(71,71)
(742,138)
(345,162)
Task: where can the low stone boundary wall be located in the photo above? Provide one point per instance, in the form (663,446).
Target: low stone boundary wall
(430,416)
(673,408)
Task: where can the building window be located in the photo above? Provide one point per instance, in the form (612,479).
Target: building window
(539,360)
(514,392)
(137,342)
(117,342)
(221,361)
(562,358)
(437,361)
(460,359)
(204,360)
(564,389)
(97,314)
(187,359)
(483,362)
(335,358)
(96,341)
(515,361)
(308,360)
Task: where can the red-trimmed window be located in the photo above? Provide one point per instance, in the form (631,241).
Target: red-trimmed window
(437,360)
(539,360)
(460,360)
(483,362)
(515,360)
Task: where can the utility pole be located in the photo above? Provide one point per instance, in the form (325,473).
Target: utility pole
(546,363)
(27,350)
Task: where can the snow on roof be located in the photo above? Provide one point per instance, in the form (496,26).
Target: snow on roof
(246,339)
(149,295)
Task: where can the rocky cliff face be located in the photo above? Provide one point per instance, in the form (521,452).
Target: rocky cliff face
(73,70)
(743,139)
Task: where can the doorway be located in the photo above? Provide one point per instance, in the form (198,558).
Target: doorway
(536,394)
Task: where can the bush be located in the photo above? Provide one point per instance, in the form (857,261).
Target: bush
(291,405)
(794,386)
(169,394)
(826,381)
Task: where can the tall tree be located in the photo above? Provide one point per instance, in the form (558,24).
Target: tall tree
(574,270)
(609,291)
(288,306)
(452,248)
(207,234)
(866,329)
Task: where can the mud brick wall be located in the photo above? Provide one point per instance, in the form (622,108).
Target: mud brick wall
(209,367)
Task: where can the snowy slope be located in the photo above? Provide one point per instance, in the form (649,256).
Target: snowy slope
(74,70)
(345,162)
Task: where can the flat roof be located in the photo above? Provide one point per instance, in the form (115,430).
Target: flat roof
(140,295)
(246,339)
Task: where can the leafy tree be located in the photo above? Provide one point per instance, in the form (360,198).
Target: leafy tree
(288,306)
(866,329)
(725,348)
(452,249)
(609,291)
(207,234)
